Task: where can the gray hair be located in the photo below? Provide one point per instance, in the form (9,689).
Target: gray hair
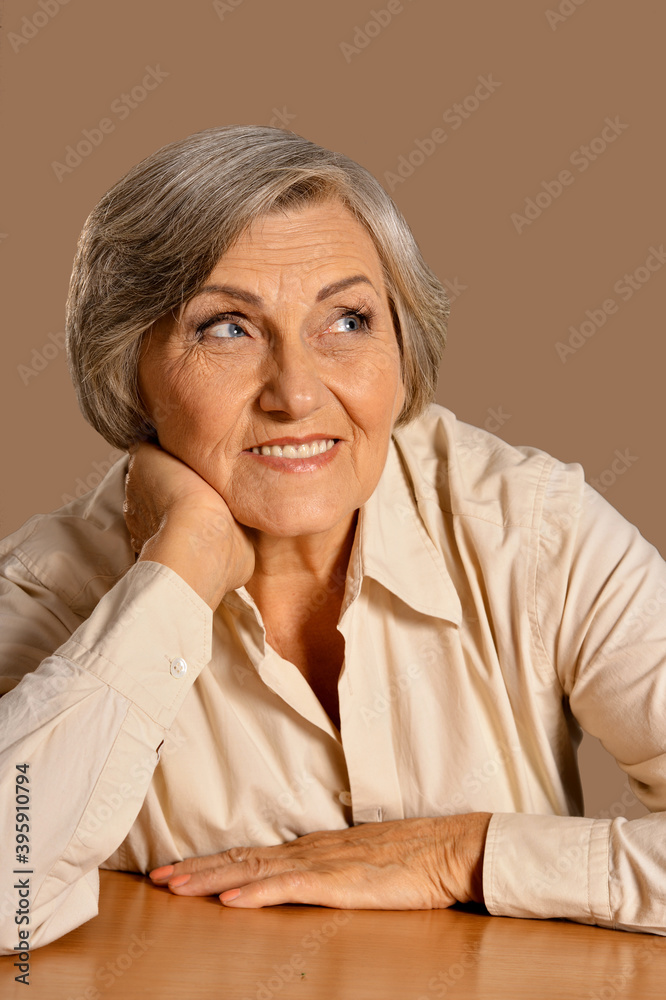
(156,235)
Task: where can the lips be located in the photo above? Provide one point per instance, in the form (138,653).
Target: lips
(305,454)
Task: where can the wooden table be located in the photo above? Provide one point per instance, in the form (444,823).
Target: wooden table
(148,943)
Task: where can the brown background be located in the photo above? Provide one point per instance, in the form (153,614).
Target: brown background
(258,62)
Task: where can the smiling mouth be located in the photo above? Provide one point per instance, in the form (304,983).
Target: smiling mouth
(308,449)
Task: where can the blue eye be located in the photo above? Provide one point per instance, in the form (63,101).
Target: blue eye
(355,316)
(351,319)
(220,322)
(238,330)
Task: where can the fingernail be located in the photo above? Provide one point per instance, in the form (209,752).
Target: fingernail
(161,873)
(226,897)
(175,883)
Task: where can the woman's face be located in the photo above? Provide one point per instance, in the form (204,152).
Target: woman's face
(276,350)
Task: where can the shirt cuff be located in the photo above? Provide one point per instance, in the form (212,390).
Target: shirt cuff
(148,638)
(548,866)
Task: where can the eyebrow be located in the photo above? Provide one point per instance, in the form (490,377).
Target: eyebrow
(324,293)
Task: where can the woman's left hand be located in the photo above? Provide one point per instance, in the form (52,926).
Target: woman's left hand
(406,864)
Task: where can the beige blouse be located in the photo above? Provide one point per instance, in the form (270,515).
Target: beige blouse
(494,605)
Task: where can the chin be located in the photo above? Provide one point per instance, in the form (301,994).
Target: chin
(290,523)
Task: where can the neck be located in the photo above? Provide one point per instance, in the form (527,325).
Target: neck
(295,568)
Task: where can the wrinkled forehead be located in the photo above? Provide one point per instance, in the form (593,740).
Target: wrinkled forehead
(309,236)
(308,254)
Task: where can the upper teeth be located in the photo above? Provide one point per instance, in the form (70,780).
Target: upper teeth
(295,451)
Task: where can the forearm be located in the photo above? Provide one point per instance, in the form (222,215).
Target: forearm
(96,712)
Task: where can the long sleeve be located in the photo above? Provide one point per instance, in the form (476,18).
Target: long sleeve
(598,612)
(88,722)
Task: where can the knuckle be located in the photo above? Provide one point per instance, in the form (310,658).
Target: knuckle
(296,879)
(236,854)
(256,867)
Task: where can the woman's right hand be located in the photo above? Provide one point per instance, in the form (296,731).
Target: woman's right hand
(176,518)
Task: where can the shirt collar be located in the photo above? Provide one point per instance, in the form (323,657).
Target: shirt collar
(393,547)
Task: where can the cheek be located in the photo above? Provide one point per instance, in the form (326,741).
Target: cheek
(194,403)
(373,392)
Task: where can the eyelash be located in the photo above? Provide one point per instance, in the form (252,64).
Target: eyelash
(365,315)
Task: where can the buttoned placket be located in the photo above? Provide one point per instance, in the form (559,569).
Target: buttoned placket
(362,799)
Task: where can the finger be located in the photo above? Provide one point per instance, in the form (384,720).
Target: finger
(206,861)
(212,881)
(232,856)
(187,867)
(311,888)
(161,874)
(289,887)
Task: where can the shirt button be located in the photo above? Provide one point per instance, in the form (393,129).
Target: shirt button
(178,667)
(345,798)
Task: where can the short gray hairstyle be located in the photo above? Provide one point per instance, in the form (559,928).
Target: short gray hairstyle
(152,241)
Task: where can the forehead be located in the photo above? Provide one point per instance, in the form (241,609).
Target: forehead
(303,240)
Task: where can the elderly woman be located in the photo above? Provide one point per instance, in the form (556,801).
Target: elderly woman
(314,640)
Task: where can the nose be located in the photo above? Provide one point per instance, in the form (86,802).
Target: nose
(292,386)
